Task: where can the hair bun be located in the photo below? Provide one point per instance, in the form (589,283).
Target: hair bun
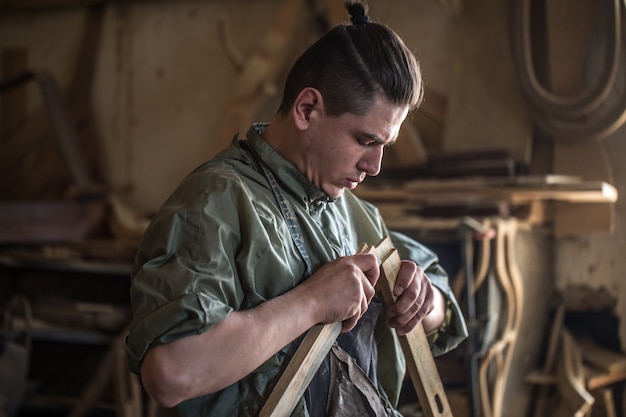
(358,12)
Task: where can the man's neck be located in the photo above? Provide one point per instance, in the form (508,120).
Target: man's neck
(282,136)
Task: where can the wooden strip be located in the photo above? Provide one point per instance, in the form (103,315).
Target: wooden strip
(420,362)
(300,370)
(512,190)
(302,367)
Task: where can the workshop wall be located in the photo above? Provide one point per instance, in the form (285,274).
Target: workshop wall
(163,81)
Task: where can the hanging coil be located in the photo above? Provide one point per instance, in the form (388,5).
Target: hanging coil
(588,115)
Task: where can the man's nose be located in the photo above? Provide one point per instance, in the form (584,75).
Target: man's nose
(372,161)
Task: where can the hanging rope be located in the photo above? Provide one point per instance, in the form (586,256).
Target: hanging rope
(583,117)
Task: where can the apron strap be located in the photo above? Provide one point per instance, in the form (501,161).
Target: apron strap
(285,208)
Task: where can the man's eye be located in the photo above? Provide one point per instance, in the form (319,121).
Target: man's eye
(366,142)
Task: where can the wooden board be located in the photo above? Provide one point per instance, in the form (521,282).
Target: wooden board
(420,362)
(515,190)
(300,370)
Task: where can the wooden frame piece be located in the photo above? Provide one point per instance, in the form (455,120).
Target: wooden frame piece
(420,362)
(318,341)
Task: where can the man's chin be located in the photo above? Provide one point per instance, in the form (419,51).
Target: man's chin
(335,192)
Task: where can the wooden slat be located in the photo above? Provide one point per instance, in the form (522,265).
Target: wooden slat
(420,362)
(302,367)
(300,370)
(514,190)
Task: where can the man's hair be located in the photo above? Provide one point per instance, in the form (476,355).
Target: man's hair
(352,65)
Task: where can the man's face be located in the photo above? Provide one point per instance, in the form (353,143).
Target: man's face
(341,151)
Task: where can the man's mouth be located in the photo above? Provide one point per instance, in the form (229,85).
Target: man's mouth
(353,183)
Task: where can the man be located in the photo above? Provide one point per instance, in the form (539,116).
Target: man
(258,245)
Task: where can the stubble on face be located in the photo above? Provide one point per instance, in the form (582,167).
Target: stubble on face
(343,150)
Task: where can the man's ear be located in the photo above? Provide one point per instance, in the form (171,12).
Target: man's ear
(307,105)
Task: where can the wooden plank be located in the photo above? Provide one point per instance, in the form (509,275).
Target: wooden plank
(300,370)
(302,367)
(515,190)
(420,362)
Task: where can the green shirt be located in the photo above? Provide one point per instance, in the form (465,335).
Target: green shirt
(220,243)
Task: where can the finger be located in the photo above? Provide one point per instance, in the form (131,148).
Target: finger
(411,299)
(369,291)
(407,327)
(400,319)
(414,314)
(416,311)
(408,272)
(349,324)
(368,263)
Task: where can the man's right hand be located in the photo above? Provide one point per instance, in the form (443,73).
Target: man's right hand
(344,288)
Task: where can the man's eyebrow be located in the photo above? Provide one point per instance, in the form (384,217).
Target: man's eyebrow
(378,139)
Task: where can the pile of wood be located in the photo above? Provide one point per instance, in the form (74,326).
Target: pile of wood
(579,375)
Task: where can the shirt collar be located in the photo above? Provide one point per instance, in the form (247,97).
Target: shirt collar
(290,178)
